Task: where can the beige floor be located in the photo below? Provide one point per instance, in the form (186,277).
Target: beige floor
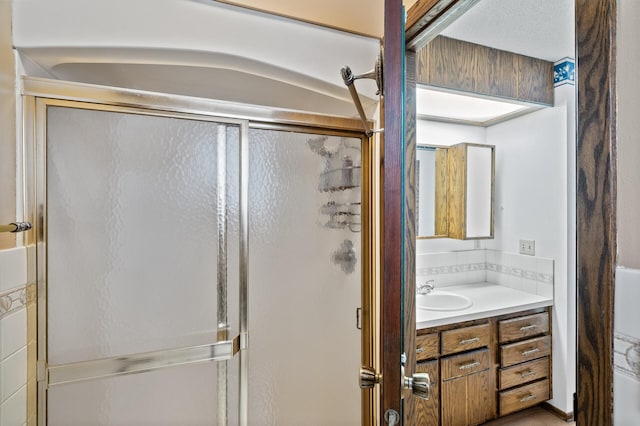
(535,416)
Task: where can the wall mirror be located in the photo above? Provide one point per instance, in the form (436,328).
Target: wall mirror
(431,191)
(455,191)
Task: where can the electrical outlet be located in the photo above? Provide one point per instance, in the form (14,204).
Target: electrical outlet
(528,247)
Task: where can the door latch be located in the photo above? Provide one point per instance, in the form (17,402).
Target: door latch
(392,417)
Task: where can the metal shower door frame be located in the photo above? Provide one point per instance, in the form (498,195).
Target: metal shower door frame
(221,350)
(38,94)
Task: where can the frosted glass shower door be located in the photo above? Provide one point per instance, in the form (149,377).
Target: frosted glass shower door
(140,265)
(305,277)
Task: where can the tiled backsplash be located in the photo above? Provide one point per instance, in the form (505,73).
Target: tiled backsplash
(13,337)
(527,273)
(626,346)
(627,355)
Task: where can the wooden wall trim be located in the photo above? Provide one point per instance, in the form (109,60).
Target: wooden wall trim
(419,9)
(392,199)
(460,65)
(596,208)
(427,18)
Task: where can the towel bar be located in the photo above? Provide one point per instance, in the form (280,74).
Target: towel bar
(15,227)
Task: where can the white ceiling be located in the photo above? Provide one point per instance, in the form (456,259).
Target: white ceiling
(539,28)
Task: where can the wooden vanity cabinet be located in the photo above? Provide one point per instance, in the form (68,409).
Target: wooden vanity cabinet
(428,411)
(465,338)
(525,361)
(468,388)
(485,368)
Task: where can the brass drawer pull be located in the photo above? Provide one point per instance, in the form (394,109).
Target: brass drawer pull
(420,350)
(527,374)
(470,365)
(530,352)
(467,341)
(528,398)
(528,327)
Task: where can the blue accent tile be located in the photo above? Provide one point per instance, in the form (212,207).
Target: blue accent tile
(564,72)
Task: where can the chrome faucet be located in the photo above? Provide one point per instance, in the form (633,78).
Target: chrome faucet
(427,287)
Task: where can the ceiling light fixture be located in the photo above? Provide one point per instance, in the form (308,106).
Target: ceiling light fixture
(471,109)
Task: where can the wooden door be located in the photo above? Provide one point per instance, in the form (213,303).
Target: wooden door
(393,222)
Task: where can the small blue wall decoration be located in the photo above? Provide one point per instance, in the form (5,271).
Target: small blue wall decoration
(564,72)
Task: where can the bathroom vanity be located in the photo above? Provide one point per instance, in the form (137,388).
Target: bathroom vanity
(486,361)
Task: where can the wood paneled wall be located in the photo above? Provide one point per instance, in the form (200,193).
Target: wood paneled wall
(460,65)
(596,208)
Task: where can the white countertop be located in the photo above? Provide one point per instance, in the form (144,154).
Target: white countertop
(488,300)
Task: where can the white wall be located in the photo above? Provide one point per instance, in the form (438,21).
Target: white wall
(566,96)
(531,204)
(626,378)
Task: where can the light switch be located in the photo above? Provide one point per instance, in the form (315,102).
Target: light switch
(528,247)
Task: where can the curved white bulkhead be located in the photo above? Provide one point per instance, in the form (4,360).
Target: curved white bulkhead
(196,48)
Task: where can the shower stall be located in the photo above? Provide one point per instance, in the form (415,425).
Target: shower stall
(197,262)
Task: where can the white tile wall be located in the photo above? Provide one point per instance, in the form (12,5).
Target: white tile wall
(13,373)
(13,268)
(13,333)
(452,268)
(626,377)
(527,273)
(13,411)
(13,337)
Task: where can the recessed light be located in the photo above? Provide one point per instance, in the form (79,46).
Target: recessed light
(470,109)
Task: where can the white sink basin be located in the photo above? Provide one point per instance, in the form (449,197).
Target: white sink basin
(443,301)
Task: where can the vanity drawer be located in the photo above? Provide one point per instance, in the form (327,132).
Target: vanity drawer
(465,338)
(464,364)
(427,346)
(523,327)
(523,397)
(515,353)
(523,373)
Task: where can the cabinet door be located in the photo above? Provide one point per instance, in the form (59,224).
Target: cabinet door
(428,411)
(469,400)
(481,397)
(454,402)
(470,191)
